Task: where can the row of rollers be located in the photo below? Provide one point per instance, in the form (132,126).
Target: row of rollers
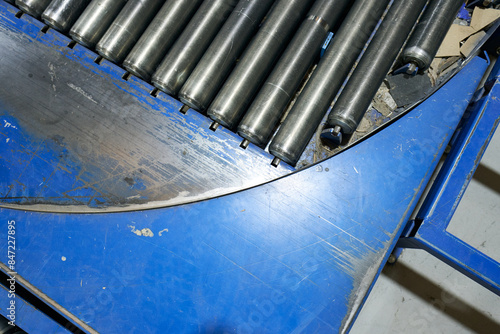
(221,56)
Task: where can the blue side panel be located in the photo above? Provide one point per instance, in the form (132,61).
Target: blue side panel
(450,185)
(28,318)
(298,254)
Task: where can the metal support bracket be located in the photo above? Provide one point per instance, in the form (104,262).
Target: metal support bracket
(428,230)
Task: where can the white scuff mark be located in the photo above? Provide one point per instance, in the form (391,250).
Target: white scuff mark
(134,197)
(82,92)
(145,232)
(305,277)
(365,283)
(355,170)
(161,232)
(7,140)
(52,73)
(63,258)
(183,194)
(8,125)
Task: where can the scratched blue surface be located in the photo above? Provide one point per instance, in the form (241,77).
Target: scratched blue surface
(298,254)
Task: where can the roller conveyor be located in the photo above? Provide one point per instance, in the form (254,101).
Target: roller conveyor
(144,207)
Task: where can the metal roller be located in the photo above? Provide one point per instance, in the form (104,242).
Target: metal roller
(373,68)
(62,14)
(429,33)
(159,37)
(34,8)
(265,111)
(95,20)
(126,29)
(324,84)
(180,61)
(257,61)
(213,68)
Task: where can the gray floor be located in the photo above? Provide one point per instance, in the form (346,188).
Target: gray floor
(420,294)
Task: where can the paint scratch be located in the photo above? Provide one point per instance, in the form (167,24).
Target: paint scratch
(82,92)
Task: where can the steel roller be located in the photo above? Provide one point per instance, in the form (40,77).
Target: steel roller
(265,111)
(324,84)
(127,28)
(213,68)
(183,57)
(257,62)
(161,34)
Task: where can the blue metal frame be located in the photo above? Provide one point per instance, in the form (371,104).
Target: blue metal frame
(298,254)
(428,231)
(29,318)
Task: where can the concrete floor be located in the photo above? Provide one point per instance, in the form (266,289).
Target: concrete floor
(420,294)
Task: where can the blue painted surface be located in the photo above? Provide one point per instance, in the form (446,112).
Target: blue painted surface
(464,13)
(298,254)
(28,318)
(450,185)
(326,43)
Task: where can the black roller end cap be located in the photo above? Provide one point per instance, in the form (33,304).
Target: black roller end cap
(98,60)
(126,76)
(332,135)
(276,162)
(214,126)
(410,69)
(154,92)
(244,144)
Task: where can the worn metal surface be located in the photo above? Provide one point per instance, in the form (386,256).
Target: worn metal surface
(296,254)
(75,133)
(450,185)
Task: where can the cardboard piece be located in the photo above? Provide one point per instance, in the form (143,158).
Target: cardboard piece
(481,18)
(451,45)
(471,43)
